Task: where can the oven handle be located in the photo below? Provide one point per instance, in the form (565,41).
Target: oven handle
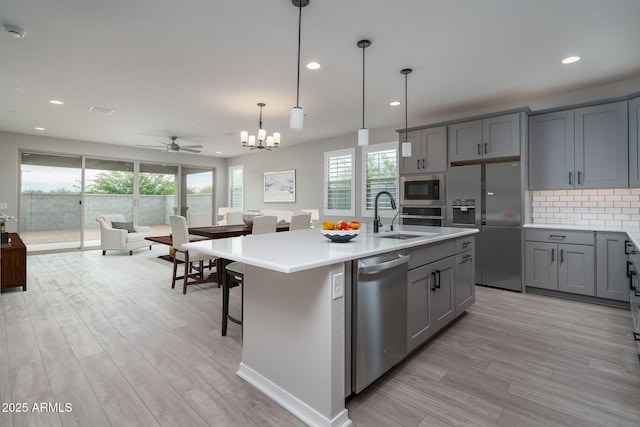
(421,216)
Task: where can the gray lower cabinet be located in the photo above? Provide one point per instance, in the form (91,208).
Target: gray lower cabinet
(428,151)
(560,260)
(441,286)
(634,142)
(611,266)
(431,298)
(465,280)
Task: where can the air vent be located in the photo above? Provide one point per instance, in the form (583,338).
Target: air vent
(101,110)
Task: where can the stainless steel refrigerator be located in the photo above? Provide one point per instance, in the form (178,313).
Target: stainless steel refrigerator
(489,197)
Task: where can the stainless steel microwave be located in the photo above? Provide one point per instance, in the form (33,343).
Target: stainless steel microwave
(420,190)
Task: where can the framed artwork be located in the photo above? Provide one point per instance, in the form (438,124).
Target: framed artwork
(280,187)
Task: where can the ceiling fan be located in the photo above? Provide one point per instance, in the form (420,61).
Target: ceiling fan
(174,147)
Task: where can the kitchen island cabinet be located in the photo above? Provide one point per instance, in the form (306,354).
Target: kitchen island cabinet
(294,313)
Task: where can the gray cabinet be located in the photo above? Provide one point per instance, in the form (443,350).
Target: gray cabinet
(634,143)
(489,138)
(431,298)
(560,260)
(428,151)
(611,278)
(465,279)
(579,148)
(551,150)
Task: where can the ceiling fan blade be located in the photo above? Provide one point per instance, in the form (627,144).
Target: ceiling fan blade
(157,147)
(189,150)
(191,146)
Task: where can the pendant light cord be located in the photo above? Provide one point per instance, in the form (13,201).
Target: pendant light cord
(406,109)
(299,41)
(363,48)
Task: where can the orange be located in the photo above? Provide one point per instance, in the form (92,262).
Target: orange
(327,225)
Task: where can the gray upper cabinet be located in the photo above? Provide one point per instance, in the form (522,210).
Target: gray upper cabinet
(490,138)
(580,148)
(602,145)
(551,150)
(611,266)
(634,143)
(428,151)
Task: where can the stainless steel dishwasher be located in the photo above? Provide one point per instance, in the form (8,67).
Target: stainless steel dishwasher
(379,314)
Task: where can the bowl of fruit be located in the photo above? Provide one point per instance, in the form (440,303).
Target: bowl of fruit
(341,231)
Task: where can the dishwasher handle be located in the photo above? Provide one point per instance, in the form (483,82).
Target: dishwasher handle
(377,268)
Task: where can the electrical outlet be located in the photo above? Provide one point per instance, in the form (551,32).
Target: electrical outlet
(3,205)
(338,285)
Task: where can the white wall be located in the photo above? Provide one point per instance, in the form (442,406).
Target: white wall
(12,143)
(307,159)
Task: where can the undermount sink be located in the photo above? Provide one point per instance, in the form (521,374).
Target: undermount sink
(401,236)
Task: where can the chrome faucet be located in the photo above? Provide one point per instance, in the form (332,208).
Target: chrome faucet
(376,219)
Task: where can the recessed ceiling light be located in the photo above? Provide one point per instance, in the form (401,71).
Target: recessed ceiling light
(218,152)
(394,103)
(18,88)
(570,59)
(39,128)
(313,65)
(55,102)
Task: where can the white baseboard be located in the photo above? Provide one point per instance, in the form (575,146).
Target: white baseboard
(291,403)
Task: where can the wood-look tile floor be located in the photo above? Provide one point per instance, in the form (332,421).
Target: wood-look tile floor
(109,336)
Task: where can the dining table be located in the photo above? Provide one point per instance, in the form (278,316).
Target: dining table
(223,231)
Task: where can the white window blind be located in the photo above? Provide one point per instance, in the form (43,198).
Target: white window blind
(380,173)
(339,188)
(236,186)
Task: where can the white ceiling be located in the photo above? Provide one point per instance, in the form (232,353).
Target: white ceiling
(197,68)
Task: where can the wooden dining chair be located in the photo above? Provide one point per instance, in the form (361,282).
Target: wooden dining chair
(180,236)
(234,271)
(300,221)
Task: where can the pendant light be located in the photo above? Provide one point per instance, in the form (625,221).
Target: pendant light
(363,133)
(406,144)
(297,113)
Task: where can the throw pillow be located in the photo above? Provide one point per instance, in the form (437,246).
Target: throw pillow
(123,226)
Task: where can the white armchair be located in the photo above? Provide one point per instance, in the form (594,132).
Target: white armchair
(120,239)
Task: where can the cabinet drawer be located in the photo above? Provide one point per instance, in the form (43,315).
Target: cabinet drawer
(560,236)
(426,254)
(465,243)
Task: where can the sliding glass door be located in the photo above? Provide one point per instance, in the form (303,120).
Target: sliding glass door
(108,190)
(157,196)
(196,191)
(50,201)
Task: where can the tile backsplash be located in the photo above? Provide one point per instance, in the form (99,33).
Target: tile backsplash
(617,208)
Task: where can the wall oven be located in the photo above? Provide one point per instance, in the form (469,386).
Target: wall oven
(422,190)
(423,215)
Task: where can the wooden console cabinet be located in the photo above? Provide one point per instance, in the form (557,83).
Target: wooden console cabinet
(13,264)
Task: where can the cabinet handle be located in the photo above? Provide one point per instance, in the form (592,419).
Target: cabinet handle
(479,152)
(423,166)
(626,247)
(553,255)
(418,164)
(570,178)
(486,146)
(561,256)
(433,282)
(579,177)
(631,287)
(438,282)
(465,259)
(557,236)
(629,264)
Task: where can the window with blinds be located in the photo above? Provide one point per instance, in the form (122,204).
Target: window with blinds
(236,186)
(380,173)
(339,188)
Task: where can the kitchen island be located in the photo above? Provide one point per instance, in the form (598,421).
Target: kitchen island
(294,310)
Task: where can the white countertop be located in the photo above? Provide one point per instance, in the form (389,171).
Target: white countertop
(299,250)
(634,236)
